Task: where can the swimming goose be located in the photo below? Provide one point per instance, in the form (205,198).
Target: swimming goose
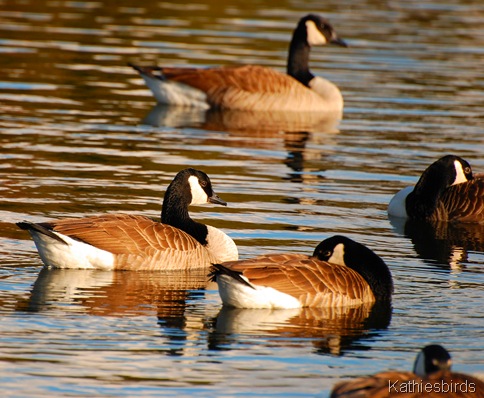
(132,242)
(252,87)
(431,367)
(341,272)
(446,191)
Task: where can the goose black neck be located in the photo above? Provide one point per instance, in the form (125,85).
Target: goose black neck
(174,212)
(298,60)
(376,273)
(423,200)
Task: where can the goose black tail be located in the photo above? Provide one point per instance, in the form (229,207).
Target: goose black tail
(41,228)
(148,71)
(219,269)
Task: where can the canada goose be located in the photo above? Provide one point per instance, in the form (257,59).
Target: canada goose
(431,377)
(131,242)
(446,191)
(340,272)
(252,87)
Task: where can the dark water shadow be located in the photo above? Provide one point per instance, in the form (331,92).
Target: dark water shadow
(442,244)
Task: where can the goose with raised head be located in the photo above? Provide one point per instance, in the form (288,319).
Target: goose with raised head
(133,242)
(447,191)
(340,272)
(431,377)
(253,87)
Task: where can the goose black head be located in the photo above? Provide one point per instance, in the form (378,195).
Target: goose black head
(344,251)
(433,358)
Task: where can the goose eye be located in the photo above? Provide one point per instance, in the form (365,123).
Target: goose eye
(326,254)
(467,170)
(203,184)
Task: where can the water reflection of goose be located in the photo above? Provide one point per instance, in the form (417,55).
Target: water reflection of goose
(254,123)
(442,243)
(258,130)
(253,87)
(331,330)
(131,242)
(431,377)
(447,191)
(108,293)
(341,272)
(171,296)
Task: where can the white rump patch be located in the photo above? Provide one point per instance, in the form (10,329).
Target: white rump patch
(74,254)
(459,171)
(396,206)
(236,294)
(315,37)
(199,196)
(173,93)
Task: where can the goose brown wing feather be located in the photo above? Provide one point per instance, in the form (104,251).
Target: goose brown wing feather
(464,202)
(125,234)
(251,78)
(249,87)
(375,386)
(302,276)
(391,384)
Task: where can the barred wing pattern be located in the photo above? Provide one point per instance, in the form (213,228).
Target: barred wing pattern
(313,282)
(137,242)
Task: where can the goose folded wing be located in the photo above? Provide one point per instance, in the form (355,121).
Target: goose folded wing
(250,78)
(298,275)
(249,87)
(372,386)
(125,234)
(465,201)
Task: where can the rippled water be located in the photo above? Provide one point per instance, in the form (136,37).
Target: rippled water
(80,134)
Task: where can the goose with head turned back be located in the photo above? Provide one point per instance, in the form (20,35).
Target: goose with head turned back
(341,272)
(132,242)
(432,367)
(447,191)
(252,87)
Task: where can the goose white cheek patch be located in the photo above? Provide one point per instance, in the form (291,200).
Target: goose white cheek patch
(315,37)
(199,196)
(338,256)
(459,171)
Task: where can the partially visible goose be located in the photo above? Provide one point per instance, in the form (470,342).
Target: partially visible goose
(431,368)
(341,272)
(252,87)
(446,191)
(131,242)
